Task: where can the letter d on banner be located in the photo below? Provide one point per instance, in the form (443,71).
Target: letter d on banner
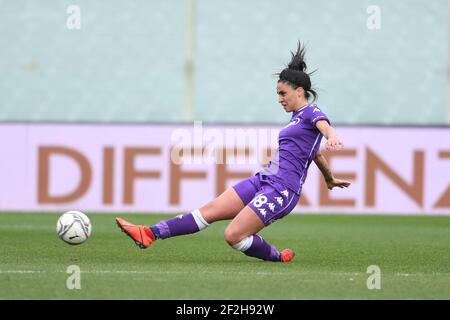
(44,175)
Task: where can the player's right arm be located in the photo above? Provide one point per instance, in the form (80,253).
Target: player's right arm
(333,141)
(324,168)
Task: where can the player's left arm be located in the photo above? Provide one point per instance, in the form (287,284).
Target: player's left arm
(322,163)
(333,141)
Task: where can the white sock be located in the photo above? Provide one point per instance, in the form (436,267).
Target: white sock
(244,244)
(199,220)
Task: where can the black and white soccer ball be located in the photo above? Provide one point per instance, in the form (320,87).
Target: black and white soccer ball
(74,227)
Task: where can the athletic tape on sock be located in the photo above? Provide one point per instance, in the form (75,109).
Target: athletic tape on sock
(199,220)
(244,244)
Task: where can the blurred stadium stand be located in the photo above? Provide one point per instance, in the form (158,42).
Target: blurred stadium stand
(127,63)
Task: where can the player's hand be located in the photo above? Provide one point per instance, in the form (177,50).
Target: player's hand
(334,144)
(337,183)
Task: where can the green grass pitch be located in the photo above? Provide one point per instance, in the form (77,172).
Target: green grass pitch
(333,253)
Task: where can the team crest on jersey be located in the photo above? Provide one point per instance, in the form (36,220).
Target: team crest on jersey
(271,206)
(293,122)
(279,200)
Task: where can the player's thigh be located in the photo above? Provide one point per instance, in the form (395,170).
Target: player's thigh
(246,223)
(224,207)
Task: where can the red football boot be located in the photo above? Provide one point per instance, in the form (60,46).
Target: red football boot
(142,235)
(286,255)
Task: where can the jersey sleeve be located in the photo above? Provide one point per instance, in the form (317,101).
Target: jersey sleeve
(316,114)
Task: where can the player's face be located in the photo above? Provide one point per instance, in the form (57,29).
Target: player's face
(288,97)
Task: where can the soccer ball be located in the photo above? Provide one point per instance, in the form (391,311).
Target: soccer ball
(73,227)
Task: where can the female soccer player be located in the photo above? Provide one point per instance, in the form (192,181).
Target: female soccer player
(272,193)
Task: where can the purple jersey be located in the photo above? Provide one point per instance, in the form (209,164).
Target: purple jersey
(298,143)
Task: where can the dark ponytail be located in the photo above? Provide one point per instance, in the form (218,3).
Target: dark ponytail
(295,74)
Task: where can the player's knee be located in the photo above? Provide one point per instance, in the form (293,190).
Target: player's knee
(231,236)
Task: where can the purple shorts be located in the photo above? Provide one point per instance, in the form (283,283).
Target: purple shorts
(269,200)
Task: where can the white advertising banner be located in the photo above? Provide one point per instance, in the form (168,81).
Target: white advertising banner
(178,168)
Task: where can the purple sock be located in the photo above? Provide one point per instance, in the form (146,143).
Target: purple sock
(182,224)
(261,249)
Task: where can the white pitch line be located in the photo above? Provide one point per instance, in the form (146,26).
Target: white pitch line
(22,271)
(215,272)
(26,227)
